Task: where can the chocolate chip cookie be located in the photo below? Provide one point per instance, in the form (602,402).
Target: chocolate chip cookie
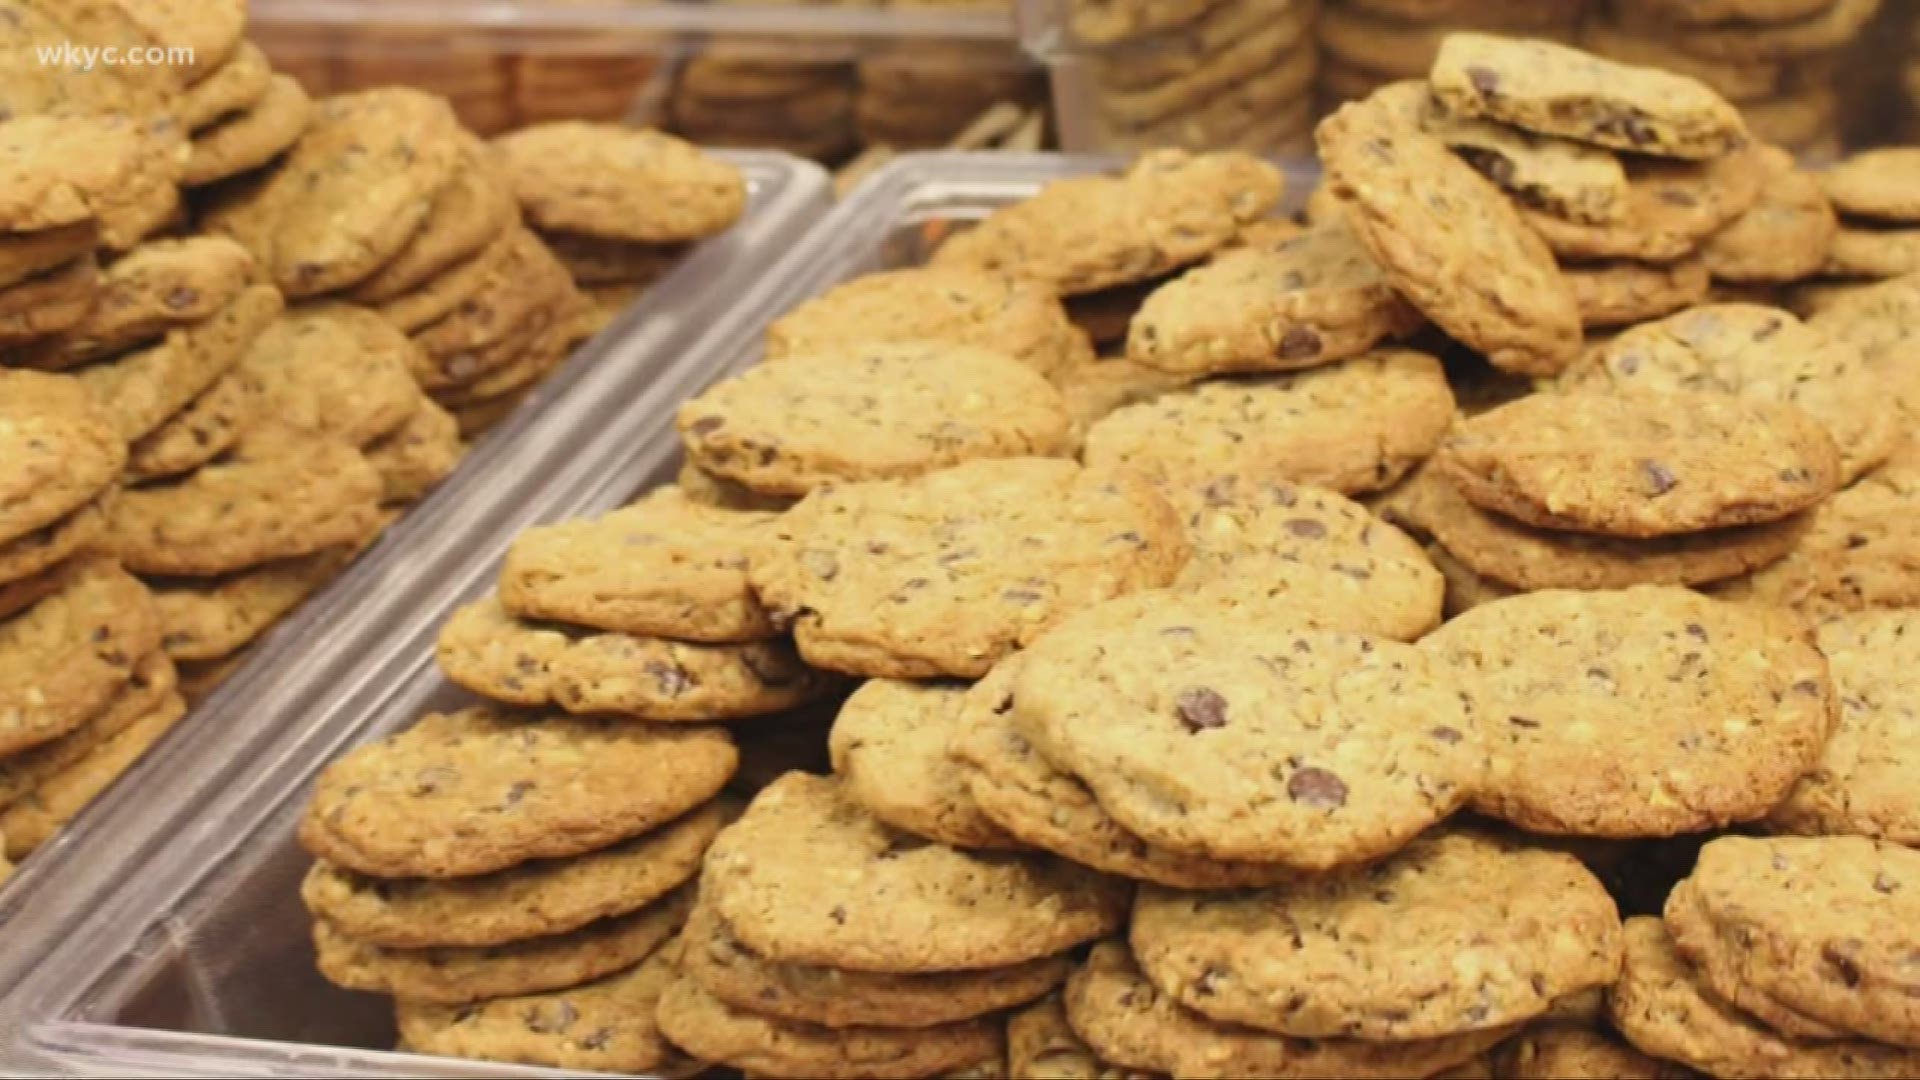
(889,747)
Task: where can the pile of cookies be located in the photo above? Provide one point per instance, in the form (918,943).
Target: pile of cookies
(241,115)
(722,97)
(1879,234)
(618,207)
(1366,44)
(1776,59)
(1237,73)
(507,881)
(915,96)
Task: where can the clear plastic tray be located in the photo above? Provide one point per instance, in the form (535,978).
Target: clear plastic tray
(811,78)
(312,682)
(199,963)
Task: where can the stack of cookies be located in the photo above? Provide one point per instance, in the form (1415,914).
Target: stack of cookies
(826,943)
(728,97)
(389,201)
(644,613)
(241,115)
(84,684)
(921,95)
(1879,235)
(1234,74)
(1775,58)
(618,206)
(1366,44)
(1776,957)
(511,880)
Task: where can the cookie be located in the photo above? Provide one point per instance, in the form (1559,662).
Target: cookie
(488,651)
(1662,1006)
(1569,1051)
(889,747)
(273,499)
(1622,292)
(1879,320)
(1672,208)
(1307,300)
(1518,927)
(474,209)
(561,787)
(1828,28)
(460,976)
(1169,209)
(705,489)
(1766,908)
(1194,46)
(28,254)
(1041,1043)
(878,412)
(1556,90)
(48,303)
(1272,50)
(1215,733)
(63,170)
(1015,318)
(665,565)
(1761,354)
(1875,184)
(60,448)
(602,1026)
(946,574)
(157,287)
(721,966)
(532,900)
(216,617)
(440,295)
(1715,12)
(67,656)
(209,426)
(1126,1019)
(250,139)
(1862,250)
(1351,427)
(1096,388)
(1644,464)
(527,283)
(1523,557)
(148,688)
(338,371)
(593,261)
(1720,969)
(234,86)
(416,456)
(1390,47)
(1555,175)
(619,183)
(1719,708)
(806,877)
(1314,552)
(1785,236)
(1739,81)
(27,557)
(44,811)
(1108,22)
(1409,200)
(712,1030)
(211,30)
(547,345)
(142,390)
(350,195)
(1023,793)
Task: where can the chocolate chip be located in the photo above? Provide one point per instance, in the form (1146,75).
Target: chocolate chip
(838,915)
(706,425)
(1807,687)
(1484,79)
(1697,631)
(598,1040)
(1882,883)
(1521,721)
(672,679)
(548,1021)
(182,297)
(1317,788)
(1679,198)
(1306,528)
(1446,735)
(1201,708)
(1843,965)
(1300,343)
(1660,479)
(1020,596)
(516,793)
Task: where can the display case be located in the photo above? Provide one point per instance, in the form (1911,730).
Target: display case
(820,81)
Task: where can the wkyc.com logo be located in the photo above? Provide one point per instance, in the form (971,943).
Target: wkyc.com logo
(79,57)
